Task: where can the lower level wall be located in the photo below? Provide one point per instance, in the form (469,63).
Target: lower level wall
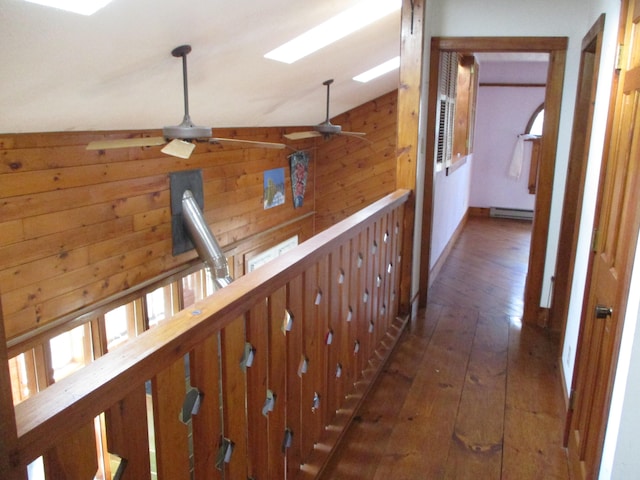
(83,226)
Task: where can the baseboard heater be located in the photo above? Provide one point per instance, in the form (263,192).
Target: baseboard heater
(515,213)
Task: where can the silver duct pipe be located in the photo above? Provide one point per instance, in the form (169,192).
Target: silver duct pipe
(204,241)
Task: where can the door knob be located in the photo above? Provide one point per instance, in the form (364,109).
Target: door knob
(603,311)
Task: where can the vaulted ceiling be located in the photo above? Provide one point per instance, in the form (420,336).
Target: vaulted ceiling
(114,70)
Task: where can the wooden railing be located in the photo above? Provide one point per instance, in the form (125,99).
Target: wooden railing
(319,322)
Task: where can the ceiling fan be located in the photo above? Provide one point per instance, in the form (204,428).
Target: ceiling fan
(178,139)
(325,129)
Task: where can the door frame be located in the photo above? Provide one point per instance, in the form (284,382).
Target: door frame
(556,47)
(576,175)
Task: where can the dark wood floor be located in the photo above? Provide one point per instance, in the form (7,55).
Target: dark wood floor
(469,393)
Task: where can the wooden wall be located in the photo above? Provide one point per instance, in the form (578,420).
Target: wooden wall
(81,226)
(352,173)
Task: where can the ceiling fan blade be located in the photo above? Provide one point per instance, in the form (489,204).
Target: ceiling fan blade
(358,135)
(126,143)
(179,148)
(302,135)
(247,143)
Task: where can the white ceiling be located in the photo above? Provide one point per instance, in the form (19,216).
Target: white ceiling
(114,70)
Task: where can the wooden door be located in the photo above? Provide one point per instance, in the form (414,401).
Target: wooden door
(618,219)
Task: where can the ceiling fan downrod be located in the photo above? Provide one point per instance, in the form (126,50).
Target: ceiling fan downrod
(183,51)
(327,83)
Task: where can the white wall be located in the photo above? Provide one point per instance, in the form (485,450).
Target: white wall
(502,114)
(596,149)
(566,18)
(450,201)
(571,18)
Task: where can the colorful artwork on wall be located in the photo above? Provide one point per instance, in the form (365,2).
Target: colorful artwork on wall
(273,188)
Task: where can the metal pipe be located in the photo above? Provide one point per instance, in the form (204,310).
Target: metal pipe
(204,241)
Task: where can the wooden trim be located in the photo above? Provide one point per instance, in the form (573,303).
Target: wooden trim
(447,249)
(576,174)
(456,165)
(544,188)
(407,143)
(478,211)
(500,44)
(556,47)
(519,85)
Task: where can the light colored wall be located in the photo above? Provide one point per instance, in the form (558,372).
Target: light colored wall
(451,201)
(571,18)
(596,148)
(566,18)
(502,114)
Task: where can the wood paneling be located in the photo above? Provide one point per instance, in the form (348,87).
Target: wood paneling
(81,226)
(351,173)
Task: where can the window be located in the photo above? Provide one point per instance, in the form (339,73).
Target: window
(445,114)
(534,126)
(57,357)
(70,351)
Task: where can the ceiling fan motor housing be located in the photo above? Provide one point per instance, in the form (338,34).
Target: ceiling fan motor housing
(186,131)
(327,128)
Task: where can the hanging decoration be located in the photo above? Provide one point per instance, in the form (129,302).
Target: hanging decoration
(299,162)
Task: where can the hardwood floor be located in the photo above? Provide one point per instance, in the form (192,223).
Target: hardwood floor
(469,393)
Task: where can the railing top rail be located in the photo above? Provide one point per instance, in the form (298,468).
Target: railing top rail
(74,401)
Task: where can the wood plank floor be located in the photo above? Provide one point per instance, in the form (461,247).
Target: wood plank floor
(469,393)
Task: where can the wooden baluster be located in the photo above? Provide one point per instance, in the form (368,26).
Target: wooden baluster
(207,428)
(257,385)
(293,381)
(355,299)
(361,312)
(346,335)
(312,342)
(128,433)
(396,236)
(74,457)
(322,327)
(277,383)
(375,252)
(172,448)
(383,305)
(370,288)
(234,397)
(334,307)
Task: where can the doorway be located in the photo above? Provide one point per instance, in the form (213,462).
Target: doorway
(576,174)
(556,48)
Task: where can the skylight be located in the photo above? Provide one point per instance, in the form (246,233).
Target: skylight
(343,24)
(381,69)
(83,7)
